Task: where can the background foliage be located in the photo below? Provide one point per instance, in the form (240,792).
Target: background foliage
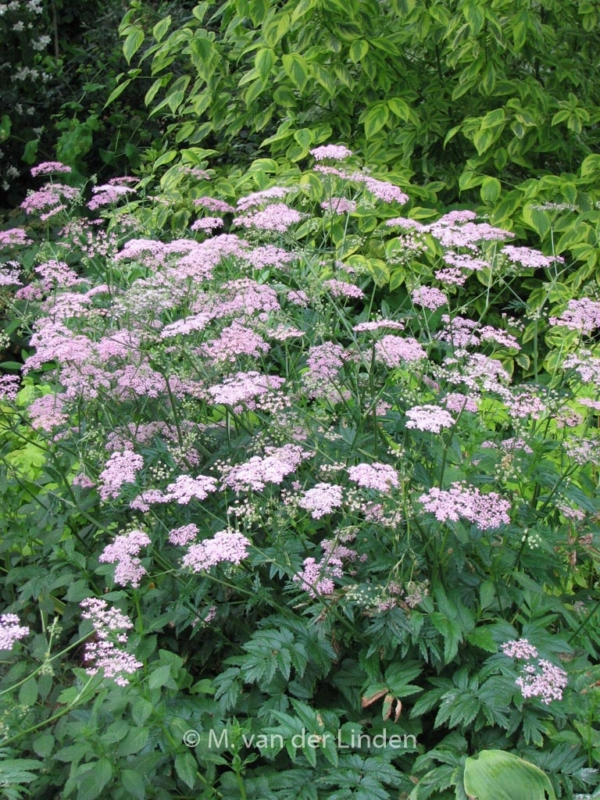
(490,106)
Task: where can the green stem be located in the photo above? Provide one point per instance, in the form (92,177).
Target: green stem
(50,719)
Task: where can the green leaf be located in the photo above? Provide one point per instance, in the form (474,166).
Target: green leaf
(304,138)
(451,134)
(358,49)
(159,30)
(399,107)
(468,180)
(30,152)
(482,638)
(166,158)
(141,709)
(186,768)
(254,90)
(490,190)
(43,745)
(275,29)
(264,61)
(28,692)
(538,219)
(590,165)
(4,127)
(496,775)
(117,92)
(483,140)
(451,631)
(296,69)
(159,677)
(133,783)
(94,780)
(177,92)
(132,43)
(375,118)
(474,16)
(133,742)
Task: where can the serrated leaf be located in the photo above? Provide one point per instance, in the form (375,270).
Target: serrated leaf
(133,742)
(186,769)
(94,780)
(133,783)
(43,745)
(387,707)
(373,694)
(28,693)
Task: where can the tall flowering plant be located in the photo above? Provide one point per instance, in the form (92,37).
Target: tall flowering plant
(267,499)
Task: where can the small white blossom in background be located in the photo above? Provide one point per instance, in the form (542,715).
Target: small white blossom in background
(41,43)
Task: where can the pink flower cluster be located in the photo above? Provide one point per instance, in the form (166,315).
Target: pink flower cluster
(343,289)
(336,152)
(393,350)
(244,388)
(14,237)
(182,491)
(317,577)
(9,387)
(580,315)
(235,340)
(380,477)
(255,473)
(543,680)
(376,325)
(298,297)
(107,194)
(226,546)
(322,499)
(123,552)
(49,200)
(519,648)
(486,511)
(207,224)
(339,205)
(184,535)
(213,204)
(49,167)
(9,276)
(460,402)
(262,197)
(324,364)
(11,631)
(109,626)
(47,412)
(429,418)
(429,297)
(456,229)
(528,257)
(276,217)
(119,469)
